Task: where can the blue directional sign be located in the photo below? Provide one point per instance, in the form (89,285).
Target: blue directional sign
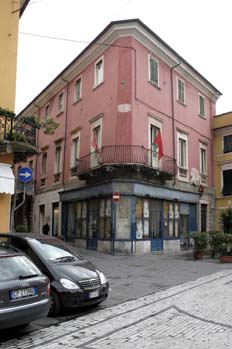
(25,174)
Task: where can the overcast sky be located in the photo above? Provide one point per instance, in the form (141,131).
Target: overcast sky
(199,30)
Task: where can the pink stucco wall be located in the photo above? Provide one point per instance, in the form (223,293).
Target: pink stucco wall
(126,83)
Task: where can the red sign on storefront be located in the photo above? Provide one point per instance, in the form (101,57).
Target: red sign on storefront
(116,196)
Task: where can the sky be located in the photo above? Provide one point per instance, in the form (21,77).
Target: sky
(198,30)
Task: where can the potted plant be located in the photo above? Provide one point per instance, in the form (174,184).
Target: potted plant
(200,243)
(216,240)
(225,253)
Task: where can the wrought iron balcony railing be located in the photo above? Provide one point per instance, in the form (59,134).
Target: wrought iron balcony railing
(12,129)
(126,155)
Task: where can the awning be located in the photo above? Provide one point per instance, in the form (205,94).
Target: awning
(7,179)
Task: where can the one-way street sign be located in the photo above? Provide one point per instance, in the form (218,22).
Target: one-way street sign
(25,174)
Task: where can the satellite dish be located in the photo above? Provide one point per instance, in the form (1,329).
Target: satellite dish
(194,176)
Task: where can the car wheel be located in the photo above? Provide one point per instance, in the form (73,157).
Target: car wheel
(55,305)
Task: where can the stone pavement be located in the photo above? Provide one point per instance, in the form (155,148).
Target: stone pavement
(196,314)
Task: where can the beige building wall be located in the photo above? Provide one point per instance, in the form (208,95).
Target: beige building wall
(223,161)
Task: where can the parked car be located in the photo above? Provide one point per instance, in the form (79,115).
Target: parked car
(24,291)
(75,282)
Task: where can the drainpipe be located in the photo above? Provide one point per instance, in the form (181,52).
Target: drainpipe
(173,122)
(65,128)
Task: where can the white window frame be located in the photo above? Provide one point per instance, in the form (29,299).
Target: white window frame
(74,162)
(95,158)
(178,91)
(182,169)
(57,169)
(98,79)
(44,164)
(199,104)
(155,123)
(203,171)
(150,57)
(77,98)
(61,102)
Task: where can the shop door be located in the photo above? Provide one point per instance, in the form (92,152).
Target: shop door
(184,233)
(93,220)
(203,217)
(155,230)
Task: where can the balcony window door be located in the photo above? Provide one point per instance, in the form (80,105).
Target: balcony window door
(154,149)
(57,168)
(75,155)
(95,146)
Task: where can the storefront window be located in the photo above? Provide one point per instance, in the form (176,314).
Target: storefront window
(123,219)
(171,220)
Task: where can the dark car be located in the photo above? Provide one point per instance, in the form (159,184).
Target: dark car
(75,282)
(24,291)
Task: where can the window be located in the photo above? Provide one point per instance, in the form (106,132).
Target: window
(96,138)
(227,183)
(46,112)
(75,154)
(171,219)
(58,158)
(203,163)
(153,70)
(154,148)
(44,165)
(61,103)
(98,72)
(78,90)
(30,164)
(182,155)
(201,106)
(181,91)
(227,144)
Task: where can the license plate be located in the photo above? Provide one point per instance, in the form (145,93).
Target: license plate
(23,293)
(94,294)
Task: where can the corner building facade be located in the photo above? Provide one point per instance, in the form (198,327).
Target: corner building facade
(111,102)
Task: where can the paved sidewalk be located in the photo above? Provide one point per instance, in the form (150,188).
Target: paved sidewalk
(196,314)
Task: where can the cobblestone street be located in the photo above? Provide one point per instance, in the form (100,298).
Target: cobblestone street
(194,314)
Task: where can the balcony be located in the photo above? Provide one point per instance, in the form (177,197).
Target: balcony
(123,161)
(16,136)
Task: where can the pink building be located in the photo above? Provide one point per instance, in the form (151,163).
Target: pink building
(125,89)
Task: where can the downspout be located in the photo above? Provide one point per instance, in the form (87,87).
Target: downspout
(173,123)
(35,174)
(65,128)
(65,139)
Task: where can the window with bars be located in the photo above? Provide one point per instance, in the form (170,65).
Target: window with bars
(181,91)
(153,70)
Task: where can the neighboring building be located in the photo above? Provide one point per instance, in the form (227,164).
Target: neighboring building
(222,127)
(123,95)
(10,11)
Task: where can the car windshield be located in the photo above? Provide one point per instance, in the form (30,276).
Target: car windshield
(17,267)
(54,250)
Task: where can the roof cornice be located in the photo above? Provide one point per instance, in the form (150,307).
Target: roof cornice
(140,32)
